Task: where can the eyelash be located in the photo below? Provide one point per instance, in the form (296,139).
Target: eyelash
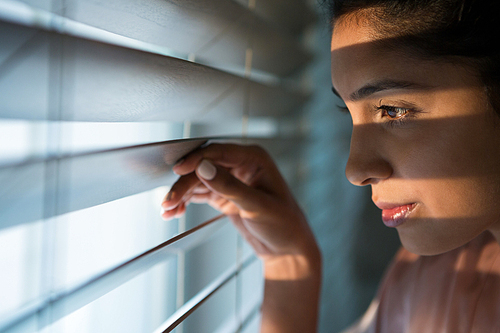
(393,122)
(384,109)
(343,108)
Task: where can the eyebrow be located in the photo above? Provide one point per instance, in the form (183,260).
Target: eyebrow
(382,85)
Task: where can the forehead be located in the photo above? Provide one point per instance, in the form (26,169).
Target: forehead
(359,57)
(351,30)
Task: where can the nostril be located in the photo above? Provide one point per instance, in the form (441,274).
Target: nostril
(357,179)
(368,181)
(366,170)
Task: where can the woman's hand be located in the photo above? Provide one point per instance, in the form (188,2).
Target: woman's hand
(243,183)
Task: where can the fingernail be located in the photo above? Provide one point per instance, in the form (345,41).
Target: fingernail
(169,196)
(162,211)
(206,170)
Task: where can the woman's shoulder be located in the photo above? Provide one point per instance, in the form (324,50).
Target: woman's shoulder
(458,291)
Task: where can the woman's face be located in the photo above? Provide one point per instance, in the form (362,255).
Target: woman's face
(424,138)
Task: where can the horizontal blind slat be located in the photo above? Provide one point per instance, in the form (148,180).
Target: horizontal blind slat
(86,180)
(216,31)
(172,148)
(65,302)
(103,83)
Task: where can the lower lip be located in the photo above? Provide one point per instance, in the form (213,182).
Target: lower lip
(396,216)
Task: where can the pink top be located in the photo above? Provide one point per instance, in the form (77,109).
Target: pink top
(458,291)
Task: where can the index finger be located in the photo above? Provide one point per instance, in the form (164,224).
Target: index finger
(225,155)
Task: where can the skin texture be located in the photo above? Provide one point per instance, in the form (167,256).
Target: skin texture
(432,143)
(244,183)
(439,151)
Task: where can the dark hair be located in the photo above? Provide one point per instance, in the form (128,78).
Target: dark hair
(460,30)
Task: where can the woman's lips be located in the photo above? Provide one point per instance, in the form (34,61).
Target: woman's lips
(396,215)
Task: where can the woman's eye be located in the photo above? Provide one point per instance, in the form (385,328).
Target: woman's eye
(395,116)
(393,112)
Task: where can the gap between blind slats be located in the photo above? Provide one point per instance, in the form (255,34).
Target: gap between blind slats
(63,303)
(48,76)
(190,306)
(216,31)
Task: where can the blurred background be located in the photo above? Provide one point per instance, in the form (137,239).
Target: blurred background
(99,98)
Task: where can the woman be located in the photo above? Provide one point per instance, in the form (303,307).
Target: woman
(421,81)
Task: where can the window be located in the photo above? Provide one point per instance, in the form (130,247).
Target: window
(97,101)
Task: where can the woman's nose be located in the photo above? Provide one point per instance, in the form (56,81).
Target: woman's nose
(365,165)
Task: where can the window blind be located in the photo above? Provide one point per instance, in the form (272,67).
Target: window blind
(98,101)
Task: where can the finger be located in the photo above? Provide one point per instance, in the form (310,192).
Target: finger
(201,189)
(181,209)
(250,164)
(169,214)
(178,209)
(175,212)
(217,202)
(222,204)
(182,186)
(223,183)
(226,155)
(201,198)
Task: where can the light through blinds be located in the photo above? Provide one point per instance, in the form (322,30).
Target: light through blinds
(97,101)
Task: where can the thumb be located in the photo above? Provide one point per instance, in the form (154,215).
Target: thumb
(223,183)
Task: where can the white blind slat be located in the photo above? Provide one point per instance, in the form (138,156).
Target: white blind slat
(100,82)
(61,184)
(66,302)
(80,181)
(216,31)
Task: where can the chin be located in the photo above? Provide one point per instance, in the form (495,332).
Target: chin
(430,246)
(433,236)
(423,250)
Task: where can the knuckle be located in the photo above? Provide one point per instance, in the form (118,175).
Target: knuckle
(259,151)
(213,151)
(261,155)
